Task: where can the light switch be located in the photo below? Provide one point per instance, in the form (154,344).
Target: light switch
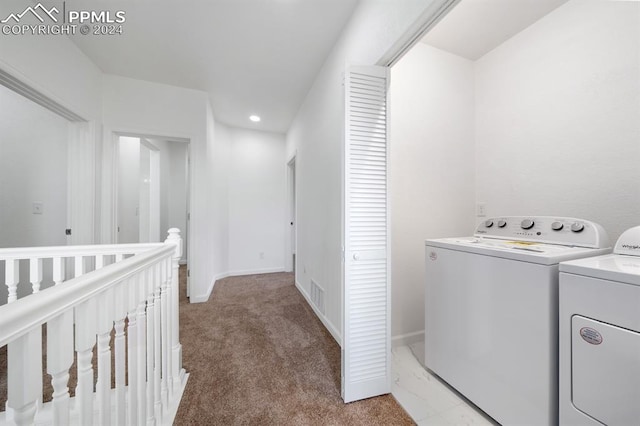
(37,208)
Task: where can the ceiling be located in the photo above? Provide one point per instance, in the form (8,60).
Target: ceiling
(475,27)
(251,56)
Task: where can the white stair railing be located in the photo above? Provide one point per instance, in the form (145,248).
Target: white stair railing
(125,308)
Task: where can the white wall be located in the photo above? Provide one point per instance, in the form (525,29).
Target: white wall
(144,196)
(432,169)
(143,107)
(173,187)
(220,153)
(257,212)
(558,117)
(177,191)
(53,65)
(316,136)
(33,169)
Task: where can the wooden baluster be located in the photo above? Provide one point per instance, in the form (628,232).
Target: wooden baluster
(150,345)
(105,325)
(100,261)
(78,266)
(59,361)
(176,348)
(157,351)
(132,352)
(12,278)
(35,274)
(140,288)
(85,341)
(165,324)
(58,270)
(24,376)
(120,306)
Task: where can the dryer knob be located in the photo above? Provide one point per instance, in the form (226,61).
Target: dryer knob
(488,223)
(527,224)
(557,226)
(577,227)
(502,223)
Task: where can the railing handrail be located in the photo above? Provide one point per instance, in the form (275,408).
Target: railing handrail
(72,251)
(25,314)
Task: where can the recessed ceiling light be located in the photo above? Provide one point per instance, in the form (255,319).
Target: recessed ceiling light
(254,118)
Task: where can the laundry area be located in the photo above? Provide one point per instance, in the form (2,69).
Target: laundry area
(514,147)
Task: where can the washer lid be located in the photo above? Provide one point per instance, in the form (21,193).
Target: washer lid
(612,267)
(526,251)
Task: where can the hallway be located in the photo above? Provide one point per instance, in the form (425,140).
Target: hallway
(257,354)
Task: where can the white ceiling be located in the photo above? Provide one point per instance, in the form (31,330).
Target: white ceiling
(252,56)
(475,27)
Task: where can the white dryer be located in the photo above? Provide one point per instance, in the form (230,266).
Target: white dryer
(491,320)
(600,337)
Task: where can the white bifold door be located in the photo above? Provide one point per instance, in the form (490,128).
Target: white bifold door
(366,352)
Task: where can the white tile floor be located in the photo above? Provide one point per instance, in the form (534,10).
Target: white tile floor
(425,398)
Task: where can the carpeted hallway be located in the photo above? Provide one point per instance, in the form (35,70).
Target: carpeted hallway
(257,355)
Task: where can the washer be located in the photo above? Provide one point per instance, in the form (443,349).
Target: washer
(491,320)
(600,337)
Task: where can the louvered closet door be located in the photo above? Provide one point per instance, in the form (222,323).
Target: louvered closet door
(366,354)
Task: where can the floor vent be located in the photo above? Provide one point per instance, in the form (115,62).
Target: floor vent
(317,296)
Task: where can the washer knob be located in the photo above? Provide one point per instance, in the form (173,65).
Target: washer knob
(527,224)
(557,226)
(502,223)
(488,223)
(577,227)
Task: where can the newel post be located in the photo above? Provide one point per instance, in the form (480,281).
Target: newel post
(176,359)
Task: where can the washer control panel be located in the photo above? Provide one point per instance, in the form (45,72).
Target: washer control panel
(545,229)
(629,242)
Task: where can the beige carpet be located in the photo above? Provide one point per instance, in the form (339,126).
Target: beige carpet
(257,355)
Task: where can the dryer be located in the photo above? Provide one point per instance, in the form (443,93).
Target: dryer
(491,320)
(600,337)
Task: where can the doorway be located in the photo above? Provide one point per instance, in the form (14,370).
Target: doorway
(152,189)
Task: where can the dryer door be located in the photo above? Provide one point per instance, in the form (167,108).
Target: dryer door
(605,364)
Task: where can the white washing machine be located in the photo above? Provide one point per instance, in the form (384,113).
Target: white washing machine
(600,337)
(491,320)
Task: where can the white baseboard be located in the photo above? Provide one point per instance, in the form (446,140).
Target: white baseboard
(327,324)
(219,277)
(407,339)
(205,297)
(255,271)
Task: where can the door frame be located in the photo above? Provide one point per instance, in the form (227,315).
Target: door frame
(154,233)
(109,185)
(291,214)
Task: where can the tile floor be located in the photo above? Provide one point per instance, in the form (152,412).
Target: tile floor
(427,400)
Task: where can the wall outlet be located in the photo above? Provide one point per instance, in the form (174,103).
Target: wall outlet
(481,209)
(37,208)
